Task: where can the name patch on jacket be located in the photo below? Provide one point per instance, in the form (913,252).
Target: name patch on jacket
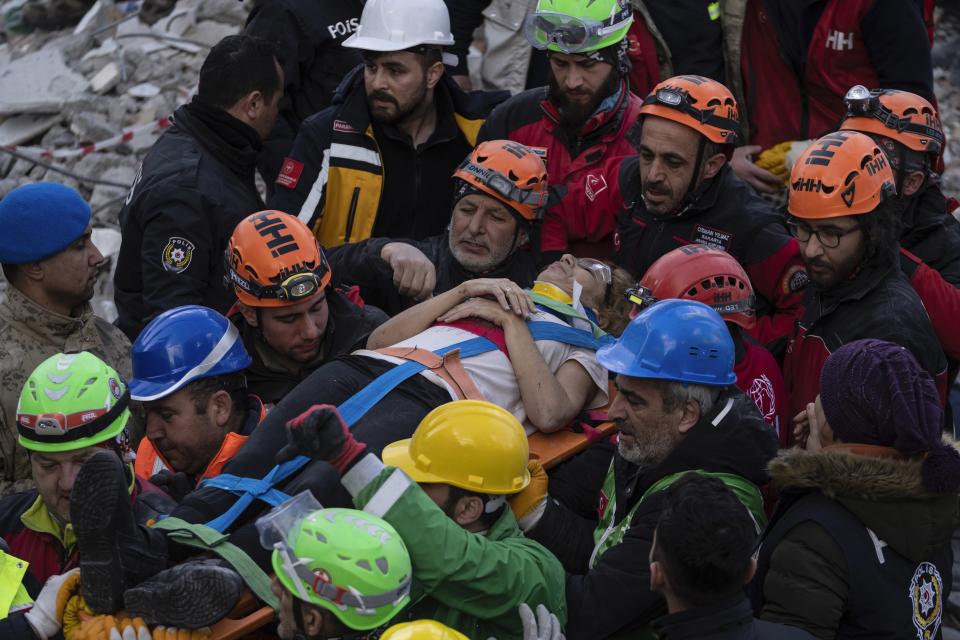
(290,172)
(177,255)
(713,238)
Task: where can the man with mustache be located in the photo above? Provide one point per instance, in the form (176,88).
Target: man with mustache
(376,162)
(682,191)
(50,264)
(844,213)
(584,120)
(500,192)
(677,412)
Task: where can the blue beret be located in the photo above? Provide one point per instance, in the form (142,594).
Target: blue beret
(39,220)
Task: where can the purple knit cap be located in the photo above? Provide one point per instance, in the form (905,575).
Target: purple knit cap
(875,392)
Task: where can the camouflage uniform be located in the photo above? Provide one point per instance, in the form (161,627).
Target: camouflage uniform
(29,334)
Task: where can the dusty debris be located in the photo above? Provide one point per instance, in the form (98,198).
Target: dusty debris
(39,82)
(22,128)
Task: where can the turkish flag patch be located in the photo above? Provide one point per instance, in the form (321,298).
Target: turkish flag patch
(290,172)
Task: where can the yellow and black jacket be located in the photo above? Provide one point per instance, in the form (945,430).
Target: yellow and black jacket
(350,178)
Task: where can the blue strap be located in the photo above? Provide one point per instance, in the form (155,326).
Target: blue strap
(355,407)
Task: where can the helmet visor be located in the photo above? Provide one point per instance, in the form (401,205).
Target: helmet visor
(571,34)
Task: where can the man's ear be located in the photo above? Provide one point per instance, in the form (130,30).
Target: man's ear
(249,314)
(713,165)
(31,271)
(658,579)
(691,416)
(433,73)
(468,510)
(912,183)
(751,571)
(254,104)
(312,620)
(220,408)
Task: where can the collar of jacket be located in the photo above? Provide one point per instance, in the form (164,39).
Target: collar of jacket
(866,280)
(42,321)
(38,518)
(603,121)
(730,613)
(234,143)
(923,215)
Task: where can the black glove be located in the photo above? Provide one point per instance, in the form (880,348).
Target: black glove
(320,433)
(176,485)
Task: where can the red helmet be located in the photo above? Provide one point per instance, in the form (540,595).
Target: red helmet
(696,272)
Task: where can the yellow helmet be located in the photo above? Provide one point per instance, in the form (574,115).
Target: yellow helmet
(471,444)
(422,630)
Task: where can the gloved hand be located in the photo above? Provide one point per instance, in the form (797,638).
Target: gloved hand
(545,626)
(107,627)
(320,433)
(46,616)
(534,495)
(176,485)
(780,158)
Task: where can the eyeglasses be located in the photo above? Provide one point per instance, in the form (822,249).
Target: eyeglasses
(828,237)
(571,34)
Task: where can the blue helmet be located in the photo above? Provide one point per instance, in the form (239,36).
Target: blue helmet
(182,345)
(679,340)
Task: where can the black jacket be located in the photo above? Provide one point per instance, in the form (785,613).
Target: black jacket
(728,215)
(728,619)
(348,327)
(194,186)
(741,443)
(310,35)
(360,264)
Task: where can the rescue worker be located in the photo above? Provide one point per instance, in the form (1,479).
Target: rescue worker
(195,185)
(500,191)
(843,211)
(51,267)
(797,61)
(290,317)
(344,545)
(681,191)
(715,278)
(908,130)
(701,558)
(72,406)
(585,120)
(677,412)
(665,39)
(868,509)
(311,36)
(444,491)
(375,162)
(188,378)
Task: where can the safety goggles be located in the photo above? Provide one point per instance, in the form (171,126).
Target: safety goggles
(599,270)
(680,100)
(571,34)
(865,103)
(298,286)
(503,186)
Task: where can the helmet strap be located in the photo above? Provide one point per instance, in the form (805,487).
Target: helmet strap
(693,189)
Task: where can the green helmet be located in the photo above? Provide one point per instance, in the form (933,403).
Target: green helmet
(71,401)
(578,26)
(349,562)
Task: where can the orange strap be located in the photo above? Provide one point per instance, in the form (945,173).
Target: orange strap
(448,367)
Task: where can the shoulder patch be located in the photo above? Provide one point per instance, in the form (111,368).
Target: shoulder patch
(290,172)
(926,594)
(177,255)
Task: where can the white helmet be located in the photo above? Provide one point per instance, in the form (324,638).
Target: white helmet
(395,25)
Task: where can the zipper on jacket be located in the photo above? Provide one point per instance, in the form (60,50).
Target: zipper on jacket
(351,214)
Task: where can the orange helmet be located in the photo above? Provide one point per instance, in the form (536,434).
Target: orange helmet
(696,272)
(510,172)
(704,105)
(842,174)
(902,116)
(273,260)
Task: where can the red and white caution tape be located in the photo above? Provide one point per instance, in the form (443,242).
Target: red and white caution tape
(121,138)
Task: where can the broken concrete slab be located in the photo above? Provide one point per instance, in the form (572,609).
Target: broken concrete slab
(210,32)
(39,82)
(105,79)
(108,48)
(144,90)
(26,127)
(91,127)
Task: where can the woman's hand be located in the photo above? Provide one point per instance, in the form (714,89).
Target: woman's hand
(484,310)
(507,293)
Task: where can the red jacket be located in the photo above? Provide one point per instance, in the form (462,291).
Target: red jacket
(584,194)
(758,376)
